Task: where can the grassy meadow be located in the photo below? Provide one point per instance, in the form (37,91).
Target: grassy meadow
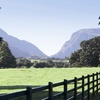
(12,80)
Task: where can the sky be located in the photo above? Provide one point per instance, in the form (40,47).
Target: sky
(48,24)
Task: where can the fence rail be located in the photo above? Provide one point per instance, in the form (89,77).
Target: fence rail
(83,88)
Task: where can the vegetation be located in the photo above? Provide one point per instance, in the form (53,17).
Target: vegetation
(23,62)
(41,63)
(7,60)
(15,79)
(51,64)
(12,80)
(88,55)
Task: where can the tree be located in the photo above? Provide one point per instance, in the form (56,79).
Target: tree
(50,63)
(75,59)
(88,55)
(23,62)
(41,65)
(7,60)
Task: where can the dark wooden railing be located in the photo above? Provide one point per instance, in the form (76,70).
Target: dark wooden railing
(81,88)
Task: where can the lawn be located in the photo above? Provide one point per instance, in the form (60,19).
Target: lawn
(17,79)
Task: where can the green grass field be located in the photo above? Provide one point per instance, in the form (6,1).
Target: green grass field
(17,79)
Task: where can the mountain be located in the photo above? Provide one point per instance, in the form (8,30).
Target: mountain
(74,43)
(21,48)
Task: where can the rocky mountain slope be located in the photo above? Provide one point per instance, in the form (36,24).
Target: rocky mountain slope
(21,48)
(74,43)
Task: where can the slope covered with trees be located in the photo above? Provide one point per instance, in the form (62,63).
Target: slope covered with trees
(88,55)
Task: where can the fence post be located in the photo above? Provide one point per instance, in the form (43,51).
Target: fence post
(29,93)
(50,91)
(75,88)
(82,87)
(93,83)
(65,89)
(97,81)
(88,87)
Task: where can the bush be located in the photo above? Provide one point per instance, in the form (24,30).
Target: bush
(23,62)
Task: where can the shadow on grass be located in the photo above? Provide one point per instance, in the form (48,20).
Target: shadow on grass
(21,86)
(36,96)
(14,87)
(42,94)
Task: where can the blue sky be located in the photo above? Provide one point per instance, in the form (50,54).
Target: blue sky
(48,24)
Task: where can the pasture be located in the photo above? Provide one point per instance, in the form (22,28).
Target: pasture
(12,80)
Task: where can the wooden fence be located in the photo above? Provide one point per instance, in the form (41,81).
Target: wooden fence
(76,89)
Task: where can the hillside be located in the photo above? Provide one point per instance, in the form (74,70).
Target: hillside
(21,48)
(74,43)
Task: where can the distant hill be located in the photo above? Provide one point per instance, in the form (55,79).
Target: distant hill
(21,48)
(74,43)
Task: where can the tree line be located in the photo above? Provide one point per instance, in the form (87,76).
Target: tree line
(23,62)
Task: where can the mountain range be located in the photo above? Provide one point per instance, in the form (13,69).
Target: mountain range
(22,48)
(74,43)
